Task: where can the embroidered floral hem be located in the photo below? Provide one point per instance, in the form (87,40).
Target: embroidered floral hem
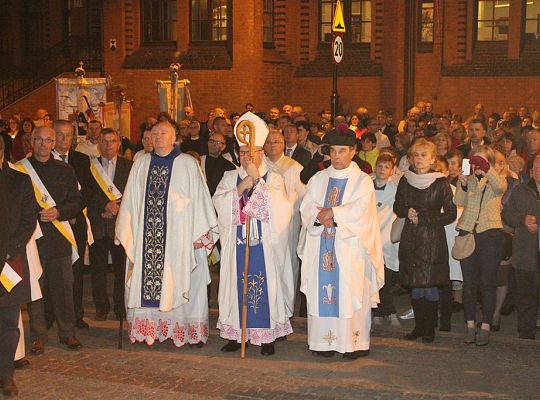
(180,332)
(256,336)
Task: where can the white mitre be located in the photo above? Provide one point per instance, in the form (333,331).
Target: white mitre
(261,129)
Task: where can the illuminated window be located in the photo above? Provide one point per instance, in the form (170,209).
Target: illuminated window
(158,20)
(492,20)
(357,16)
(532,19)
(209,20)
(426,21)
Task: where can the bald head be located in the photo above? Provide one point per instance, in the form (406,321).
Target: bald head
(163,137)
(274,145)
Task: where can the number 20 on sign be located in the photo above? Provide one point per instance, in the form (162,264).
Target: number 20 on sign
(337,49)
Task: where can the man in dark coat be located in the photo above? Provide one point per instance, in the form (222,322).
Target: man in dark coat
(18,213)
(102,211)
(81,165)
(522,212)
(61,201)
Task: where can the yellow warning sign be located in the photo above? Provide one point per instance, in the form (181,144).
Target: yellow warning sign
(338,25)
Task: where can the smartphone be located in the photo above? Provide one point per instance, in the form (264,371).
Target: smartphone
(466,166)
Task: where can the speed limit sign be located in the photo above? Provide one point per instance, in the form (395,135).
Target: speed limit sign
(337,49)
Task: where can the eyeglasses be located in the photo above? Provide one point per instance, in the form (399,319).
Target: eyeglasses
(246,152)
(215,141)
(43,140)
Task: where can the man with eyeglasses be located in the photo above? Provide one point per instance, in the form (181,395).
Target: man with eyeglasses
(214,165)
(57,193)
(256,191)
(290,170)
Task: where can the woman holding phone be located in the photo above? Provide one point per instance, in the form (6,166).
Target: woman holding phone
(480,196)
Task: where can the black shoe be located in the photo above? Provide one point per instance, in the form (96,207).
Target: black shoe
(72,343)
(445,327)
(101,315)
(528,337)
(119,317)
(414,334)
(82,324)
(457,307)
(507,309)
(281,339)
(21,364)
(9,388)
(196,345)
(356,354)
(232,346)
(38,347)
(325,354)
(267,349)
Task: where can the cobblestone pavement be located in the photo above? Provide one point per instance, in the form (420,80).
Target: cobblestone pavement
(508,368)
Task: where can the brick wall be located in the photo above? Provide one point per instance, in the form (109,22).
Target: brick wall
(266,77)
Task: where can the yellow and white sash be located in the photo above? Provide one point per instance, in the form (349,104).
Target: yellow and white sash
(103,180)
(45,201)
(89,234)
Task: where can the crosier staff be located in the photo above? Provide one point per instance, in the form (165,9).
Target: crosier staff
(246,135)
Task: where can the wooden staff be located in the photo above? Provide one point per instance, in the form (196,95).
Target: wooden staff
(246,135)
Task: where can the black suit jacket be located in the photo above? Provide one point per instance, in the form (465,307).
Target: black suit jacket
(18,216)
(465,148)
(81,164)
(61,182)
(104,227)
(301,155)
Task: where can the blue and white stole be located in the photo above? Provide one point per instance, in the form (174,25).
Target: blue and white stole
(258,305)
(328,262)
(155,226)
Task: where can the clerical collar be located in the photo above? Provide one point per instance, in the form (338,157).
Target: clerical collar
(341,173)
(173,154)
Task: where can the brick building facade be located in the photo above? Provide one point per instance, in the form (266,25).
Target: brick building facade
(270,52)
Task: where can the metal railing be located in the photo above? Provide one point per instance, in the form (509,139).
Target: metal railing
(43,66)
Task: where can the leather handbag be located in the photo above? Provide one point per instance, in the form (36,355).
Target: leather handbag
(397,229)
(463,246)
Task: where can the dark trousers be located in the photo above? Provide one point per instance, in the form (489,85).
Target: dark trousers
(57,287)
(480,272)
(9,338)
(526,297)
(386,306)
(78,270)
(98,260)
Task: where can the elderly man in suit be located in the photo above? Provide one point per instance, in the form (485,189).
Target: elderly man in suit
(81,164)
(18,213)
(109,177)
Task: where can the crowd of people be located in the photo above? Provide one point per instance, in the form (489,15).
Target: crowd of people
(330,216)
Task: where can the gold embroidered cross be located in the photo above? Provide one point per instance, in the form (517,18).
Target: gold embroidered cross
(330,337)
(356,336)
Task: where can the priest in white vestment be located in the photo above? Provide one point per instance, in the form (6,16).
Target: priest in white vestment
(253,190)
(290,170)
(166,215)
(342,260)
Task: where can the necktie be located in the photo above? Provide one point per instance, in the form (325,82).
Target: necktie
(288,152)
(63,157)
